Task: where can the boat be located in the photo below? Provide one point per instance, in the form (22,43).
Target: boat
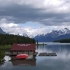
(21,56)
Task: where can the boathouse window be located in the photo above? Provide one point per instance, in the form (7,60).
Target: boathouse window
(25,51)
(30,51)
(14,52)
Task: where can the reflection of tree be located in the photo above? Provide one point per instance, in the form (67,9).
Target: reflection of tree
(24,62)
(2,54)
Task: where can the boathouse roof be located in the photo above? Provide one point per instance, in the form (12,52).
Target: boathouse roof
(23,47)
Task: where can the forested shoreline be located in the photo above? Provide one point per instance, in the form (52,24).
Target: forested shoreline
(63,40)
(6,39)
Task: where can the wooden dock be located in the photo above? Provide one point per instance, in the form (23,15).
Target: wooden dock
(47,54)
(9,54)
(30,57)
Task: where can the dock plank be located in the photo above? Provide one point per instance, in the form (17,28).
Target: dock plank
(47,54)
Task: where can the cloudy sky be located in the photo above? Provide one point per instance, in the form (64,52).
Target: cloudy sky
(34,17)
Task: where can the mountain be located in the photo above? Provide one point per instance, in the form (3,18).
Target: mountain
(54,35)
(24,34)
(2,32)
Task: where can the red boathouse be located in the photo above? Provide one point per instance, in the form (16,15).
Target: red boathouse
(23,49)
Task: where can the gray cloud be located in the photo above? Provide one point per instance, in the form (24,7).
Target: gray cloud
(28,13)
(20,13)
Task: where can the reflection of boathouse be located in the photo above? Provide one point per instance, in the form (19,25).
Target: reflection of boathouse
(24,62)
(23,49)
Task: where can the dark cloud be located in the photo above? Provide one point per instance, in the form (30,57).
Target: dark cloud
(26,13)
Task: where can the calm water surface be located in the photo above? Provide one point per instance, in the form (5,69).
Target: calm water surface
(59,62)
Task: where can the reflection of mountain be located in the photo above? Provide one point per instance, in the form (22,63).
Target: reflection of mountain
(62,51)
(24,62)
(59,48)
(55,48)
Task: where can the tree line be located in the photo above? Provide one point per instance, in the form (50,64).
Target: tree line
(63,40)
(6,39)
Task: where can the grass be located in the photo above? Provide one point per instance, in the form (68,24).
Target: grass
(5,46)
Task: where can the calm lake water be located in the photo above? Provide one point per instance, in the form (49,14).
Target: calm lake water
(59,62)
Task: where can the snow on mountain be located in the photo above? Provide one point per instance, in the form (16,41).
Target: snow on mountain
(65,31)
(54,35)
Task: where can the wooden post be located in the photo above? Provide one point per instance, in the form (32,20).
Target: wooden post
(43,44)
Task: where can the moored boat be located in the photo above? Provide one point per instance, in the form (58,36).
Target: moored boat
(21,56)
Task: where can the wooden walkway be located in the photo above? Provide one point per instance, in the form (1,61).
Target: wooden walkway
(40,54)
(9,54)
(30,57)
(47,54)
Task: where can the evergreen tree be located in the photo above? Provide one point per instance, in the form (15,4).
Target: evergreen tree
(6,39)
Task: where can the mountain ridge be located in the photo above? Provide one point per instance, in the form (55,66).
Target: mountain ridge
(2,32)
(54,35)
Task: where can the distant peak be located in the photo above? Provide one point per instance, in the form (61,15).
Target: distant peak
(66,28)
(1,31)
(0,28)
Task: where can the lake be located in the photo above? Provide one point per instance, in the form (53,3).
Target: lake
(59,62)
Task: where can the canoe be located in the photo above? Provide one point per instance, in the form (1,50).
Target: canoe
(21,56)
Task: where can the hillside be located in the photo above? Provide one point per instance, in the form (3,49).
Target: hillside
(6,39)
(63,40)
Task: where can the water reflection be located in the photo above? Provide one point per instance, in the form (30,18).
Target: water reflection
(7,58)
(14,62)
(62,51)
(23,62)
(59,62)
